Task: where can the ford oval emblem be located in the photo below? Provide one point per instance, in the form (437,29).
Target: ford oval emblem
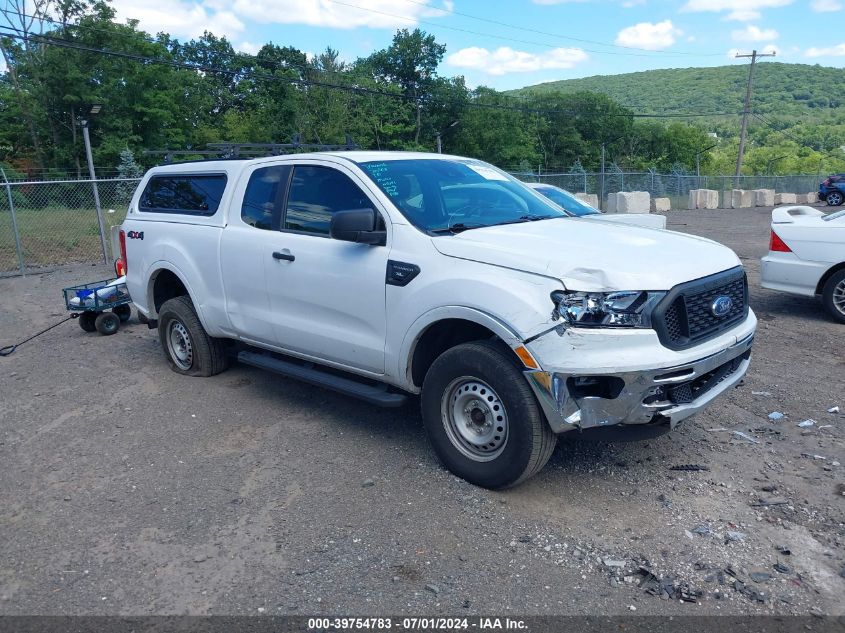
(721,306)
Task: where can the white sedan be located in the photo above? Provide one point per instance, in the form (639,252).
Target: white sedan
(807,256)
(574,206)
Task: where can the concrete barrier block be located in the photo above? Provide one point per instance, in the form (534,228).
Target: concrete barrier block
(589,198)
(709,199)
(726,199)
(633,202)
(764,197)
(812,197)
(742,199)
(610,204)
(660,205)
(786,198)
(692,203)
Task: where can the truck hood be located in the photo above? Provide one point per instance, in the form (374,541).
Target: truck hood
(592,256)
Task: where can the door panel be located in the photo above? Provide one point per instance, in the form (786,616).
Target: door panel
(329,300)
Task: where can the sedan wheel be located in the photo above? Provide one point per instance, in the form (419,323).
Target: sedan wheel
(833,296)
(834,199)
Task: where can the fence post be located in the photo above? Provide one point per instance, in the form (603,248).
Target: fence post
(14,224)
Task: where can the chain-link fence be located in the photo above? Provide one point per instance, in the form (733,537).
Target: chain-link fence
(52,223)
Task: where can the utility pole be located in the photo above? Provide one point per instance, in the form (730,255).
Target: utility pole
(95,109)
(601,186)
(754,55)
(439,142)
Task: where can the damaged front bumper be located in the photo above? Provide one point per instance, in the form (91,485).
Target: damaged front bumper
(655,396)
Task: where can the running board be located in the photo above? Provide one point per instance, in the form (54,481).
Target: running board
(377,395)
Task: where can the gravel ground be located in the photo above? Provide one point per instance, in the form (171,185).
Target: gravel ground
(127,489)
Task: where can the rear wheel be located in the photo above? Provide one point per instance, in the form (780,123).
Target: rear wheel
(834,198)
(482,418)
(833,296)
(188,348)
(86,321)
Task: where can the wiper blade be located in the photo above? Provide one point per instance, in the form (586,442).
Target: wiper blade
(534,218)
(458,227)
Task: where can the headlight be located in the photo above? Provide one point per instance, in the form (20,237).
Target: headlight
(606,309)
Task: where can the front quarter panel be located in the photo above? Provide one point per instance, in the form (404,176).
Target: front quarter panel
(513,304)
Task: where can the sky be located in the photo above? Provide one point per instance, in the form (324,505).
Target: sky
(508,44)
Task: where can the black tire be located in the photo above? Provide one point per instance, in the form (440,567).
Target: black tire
(833,296)
(191,351)
(525,442)
(86,321)
(124,312)
(107,323)
(834,198)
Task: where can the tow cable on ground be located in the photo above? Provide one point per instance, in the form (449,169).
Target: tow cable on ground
(9,349)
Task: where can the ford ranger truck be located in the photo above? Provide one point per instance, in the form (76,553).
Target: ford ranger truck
(384,275)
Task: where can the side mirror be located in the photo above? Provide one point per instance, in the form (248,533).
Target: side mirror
(357,225)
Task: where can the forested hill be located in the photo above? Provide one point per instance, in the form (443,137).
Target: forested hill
(793,90)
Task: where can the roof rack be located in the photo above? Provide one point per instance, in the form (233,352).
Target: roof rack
(234,151)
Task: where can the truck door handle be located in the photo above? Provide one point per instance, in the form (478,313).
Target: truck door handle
(285,256)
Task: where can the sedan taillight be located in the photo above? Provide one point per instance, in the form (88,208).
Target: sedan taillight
(778,245)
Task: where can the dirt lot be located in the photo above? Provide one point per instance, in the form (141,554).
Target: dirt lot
(126,489)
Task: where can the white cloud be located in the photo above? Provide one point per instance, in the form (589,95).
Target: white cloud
(743,15)
(740,10)
(825,6)
(753,33)
(377,14)
(648,35)
(770,49)
(179,18)
(506,60)
(830,51)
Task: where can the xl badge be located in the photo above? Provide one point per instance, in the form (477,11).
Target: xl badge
(721,306)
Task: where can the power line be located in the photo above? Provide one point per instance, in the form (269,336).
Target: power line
(557,35)
(500,37)
(309,82)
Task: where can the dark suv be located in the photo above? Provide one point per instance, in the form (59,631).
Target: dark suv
(832,190)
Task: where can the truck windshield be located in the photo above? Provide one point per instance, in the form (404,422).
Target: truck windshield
(443,196)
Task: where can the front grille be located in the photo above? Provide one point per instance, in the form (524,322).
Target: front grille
(684,317)
(688,391)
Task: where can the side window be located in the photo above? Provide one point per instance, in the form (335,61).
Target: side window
(315,194)
(264,197)
(197,194)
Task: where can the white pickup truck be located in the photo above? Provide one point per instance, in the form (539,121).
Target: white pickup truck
(387,274)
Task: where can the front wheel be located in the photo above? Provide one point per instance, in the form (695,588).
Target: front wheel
(482,418)
(189,350)
(833,296)
(107,323)
(834,199)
